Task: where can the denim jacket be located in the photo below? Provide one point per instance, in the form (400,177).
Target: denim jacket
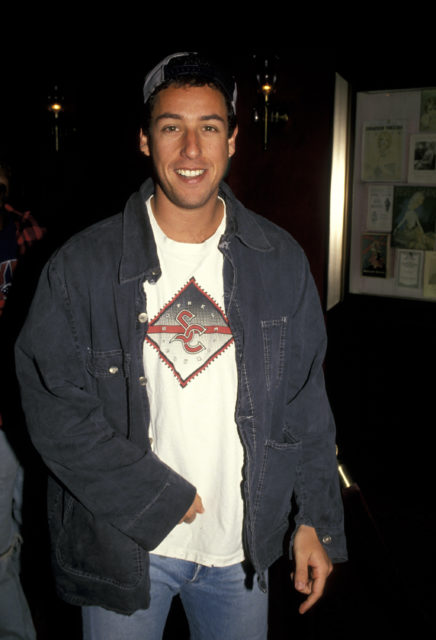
(80,367)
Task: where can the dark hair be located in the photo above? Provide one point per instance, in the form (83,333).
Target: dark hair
(186,81)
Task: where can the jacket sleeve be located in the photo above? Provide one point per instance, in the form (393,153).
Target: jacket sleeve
(308,415)
(114,478)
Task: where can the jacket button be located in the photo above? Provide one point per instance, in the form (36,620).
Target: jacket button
(327,539)
(143,381)
(143,317)
(113,370)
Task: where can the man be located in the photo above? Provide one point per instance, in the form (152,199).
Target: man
(171,372)
(18,232)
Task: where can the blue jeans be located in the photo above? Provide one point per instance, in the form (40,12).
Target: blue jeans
(217,603)
(15,618)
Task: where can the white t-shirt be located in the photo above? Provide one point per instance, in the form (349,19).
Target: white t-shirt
(189,361)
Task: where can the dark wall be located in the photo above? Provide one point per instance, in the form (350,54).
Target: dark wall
(289,181)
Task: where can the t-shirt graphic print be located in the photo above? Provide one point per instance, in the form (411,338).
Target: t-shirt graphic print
(190,332)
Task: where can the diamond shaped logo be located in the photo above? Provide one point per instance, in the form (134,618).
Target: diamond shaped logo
(190,332)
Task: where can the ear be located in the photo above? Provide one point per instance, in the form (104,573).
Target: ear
(232,142)
(143,143)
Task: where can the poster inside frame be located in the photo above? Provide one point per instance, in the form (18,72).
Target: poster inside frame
(409,268)
(422,158)
(429,287)
(414,218)
(427,120)
(380,206)
(382,151)
(375,255)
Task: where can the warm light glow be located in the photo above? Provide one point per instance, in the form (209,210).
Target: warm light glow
(267,88)
(56,107)
(338,190)
(343,474)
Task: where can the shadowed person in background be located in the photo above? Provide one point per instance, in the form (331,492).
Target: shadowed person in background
(18,232)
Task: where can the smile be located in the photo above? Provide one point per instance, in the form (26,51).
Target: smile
(190,173)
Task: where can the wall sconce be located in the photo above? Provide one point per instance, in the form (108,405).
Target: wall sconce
(55,106)
(267,79)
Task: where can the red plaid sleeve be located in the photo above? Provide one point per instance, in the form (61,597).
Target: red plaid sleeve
(28,231)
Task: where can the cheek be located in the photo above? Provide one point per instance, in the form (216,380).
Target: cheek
(220,154)
(164,152)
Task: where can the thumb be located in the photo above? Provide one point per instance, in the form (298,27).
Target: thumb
(198,504)
(301,576)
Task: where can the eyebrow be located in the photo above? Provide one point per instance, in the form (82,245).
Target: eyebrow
(177,116)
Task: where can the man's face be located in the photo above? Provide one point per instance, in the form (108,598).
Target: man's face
(189,144)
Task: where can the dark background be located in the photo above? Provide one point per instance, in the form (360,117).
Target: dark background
(379,366)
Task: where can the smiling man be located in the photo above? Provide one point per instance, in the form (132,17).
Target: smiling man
(190,145)
(171,372)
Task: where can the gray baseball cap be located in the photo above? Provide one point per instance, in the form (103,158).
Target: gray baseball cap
(185,63)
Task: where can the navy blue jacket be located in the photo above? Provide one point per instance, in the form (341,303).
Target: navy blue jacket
(80,366)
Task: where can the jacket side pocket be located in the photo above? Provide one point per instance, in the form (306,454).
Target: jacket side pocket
(276,485)
(93,549)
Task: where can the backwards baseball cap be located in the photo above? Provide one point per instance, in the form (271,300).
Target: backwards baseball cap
(177,65)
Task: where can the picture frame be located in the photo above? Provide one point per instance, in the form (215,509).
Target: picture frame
(422,158)
(414,218)
(375,255)
(382,151)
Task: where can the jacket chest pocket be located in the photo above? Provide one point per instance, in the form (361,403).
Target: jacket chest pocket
(274,334)
(108,364)
(109,374)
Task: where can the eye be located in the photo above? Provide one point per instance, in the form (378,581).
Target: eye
(170,128)
(210,128)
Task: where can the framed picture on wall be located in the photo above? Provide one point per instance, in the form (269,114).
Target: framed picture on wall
(375,255)
(422,158)
(427,119)
(429,286)
(409,268)
(414,218)
(380,205)
(382,151)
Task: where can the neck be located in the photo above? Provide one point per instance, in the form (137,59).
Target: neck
(187,225)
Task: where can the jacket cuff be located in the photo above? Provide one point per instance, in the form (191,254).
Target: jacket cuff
(333,541)
(158,518)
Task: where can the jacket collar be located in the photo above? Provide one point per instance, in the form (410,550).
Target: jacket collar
(139,257)
(242,223)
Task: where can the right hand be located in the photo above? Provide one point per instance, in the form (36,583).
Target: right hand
(196,507)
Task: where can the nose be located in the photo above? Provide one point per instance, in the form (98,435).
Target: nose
(191,145)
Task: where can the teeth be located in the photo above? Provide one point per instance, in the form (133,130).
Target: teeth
(190,173)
